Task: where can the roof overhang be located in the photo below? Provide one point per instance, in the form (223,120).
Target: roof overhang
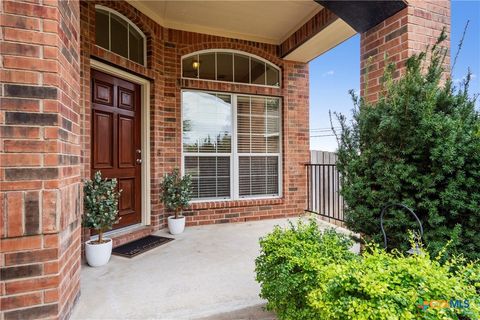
(260,21)
(302,29)
(363,15)
(331,36)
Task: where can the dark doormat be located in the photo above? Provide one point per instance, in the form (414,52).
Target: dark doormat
(134,248)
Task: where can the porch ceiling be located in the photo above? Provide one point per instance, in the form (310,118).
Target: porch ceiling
(268,21)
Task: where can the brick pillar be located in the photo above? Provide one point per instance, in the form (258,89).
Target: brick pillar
(40,193)
(405,33)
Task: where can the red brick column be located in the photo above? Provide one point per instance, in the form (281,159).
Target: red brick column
(40,191)
(407,32)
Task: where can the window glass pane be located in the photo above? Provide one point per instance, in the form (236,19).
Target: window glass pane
(257,71)
(119,35)
(273,144)
(207,129)
(243,123)
(273,76)
(223,177)
(272,175)
(258,144)
(207,66)
(258,175)
(207,122)
(190,67)
(273,107)
(243,143)
(243,105)
(273,126)
(101,28)
(258,127)
(225,67)
(258,106)
(191,168)
(136,45)
(242,68)
(230,67)
(210,176)
(258,124)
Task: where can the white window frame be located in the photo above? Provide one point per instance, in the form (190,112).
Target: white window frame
(250,56)
(234,155)
(129,24)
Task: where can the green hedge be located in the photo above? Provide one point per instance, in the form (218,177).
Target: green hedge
(307,274)
(419,145)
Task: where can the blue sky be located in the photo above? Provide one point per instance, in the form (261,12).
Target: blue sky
(334,73)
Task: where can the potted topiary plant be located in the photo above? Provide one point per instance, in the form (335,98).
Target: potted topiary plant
(176,195)
(101,210)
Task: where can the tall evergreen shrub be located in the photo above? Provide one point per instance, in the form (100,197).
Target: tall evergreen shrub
(418,145)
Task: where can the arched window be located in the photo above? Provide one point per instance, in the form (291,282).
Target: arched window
(230,66)
(118,34)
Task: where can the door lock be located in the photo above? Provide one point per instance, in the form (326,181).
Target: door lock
(139,161)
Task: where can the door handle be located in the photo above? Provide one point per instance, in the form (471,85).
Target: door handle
(139,152)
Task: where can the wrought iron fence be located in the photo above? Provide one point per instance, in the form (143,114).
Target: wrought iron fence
(323,191)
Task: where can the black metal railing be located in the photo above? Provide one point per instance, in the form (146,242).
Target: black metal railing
(323,191)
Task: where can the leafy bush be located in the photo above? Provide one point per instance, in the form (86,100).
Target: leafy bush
(176,192)
(307,274)
(289,266)
(385,285)
(418,145)
(101,204)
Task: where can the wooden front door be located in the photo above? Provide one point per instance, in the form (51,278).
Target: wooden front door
(116,141)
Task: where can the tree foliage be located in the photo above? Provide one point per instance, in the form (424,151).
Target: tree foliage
(101,204)
(418,145)
(176,191)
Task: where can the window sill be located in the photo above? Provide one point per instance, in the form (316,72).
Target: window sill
(235,203)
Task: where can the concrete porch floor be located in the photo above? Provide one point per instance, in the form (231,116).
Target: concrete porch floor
(205,273)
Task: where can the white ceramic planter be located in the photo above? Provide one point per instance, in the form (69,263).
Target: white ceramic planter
(98,254)
(176,226)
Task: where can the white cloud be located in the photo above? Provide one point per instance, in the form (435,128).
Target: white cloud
(328,73)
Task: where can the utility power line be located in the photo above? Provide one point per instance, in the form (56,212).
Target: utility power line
(322,136)
(324,128)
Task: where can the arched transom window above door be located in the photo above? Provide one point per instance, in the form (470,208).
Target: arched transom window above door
(116,33)
(230,66)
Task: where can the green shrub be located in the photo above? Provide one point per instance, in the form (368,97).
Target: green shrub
(289,266)
(308,275)
(101,204)
(176,192)
(385,285)
(418,145)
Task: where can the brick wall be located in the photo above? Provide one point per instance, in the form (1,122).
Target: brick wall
(405,33)
(165,48)
(40,165)
(45,119)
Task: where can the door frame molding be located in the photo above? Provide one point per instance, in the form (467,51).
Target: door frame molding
(145,130)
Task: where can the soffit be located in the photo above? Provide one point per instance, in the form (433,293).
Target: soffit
(263,21)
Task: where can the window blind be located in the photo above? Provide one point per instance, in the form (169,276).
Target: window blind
(258,145)
(220,170)
(207,143)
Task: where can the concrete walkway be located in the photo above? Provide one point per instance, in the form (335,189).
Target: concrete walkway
(206,272)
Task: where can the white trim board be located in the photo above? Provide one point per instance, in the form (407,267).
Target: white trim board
(145,130)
